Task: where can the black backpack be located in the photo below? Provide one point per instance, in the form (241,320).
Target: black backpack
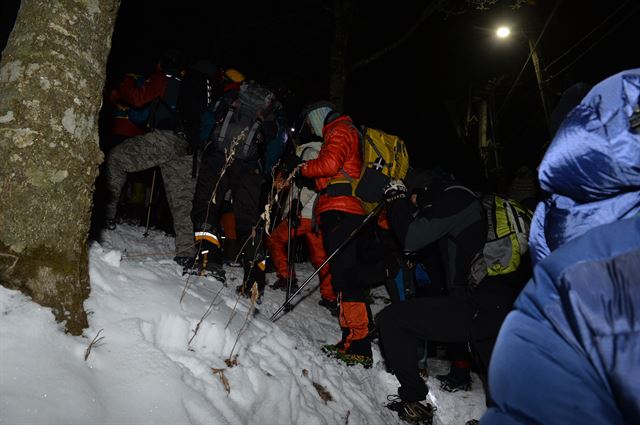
(197,95)
(164,110)
(254,100)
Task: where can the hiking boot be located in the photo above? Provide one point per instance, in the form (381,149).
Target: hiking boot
(411,411)
(282,283)
(359,353)
(332,350)
(184,261)
(355,359)
(458,379)
(203,265)
(332,306)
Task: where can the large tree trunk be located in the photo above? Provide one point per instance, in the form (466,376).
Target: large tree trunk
(51,79)
(343,10)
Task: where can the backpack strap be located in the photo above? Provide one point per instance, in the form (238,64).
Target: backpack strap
(246,145)
(466,189)
(379,163)
(225,124)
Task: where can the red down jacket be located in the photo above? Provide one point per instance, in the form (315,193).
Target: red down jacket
(340,151)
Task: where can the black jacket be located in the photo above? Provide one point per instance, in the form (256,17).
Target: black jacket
(454,220)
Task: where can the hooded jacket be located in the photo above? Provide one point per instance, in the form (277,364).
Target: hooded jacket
(592,168)
(576,325)
(340,153)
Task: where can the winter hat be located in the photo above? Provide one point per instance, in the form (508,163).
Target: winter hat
(234,75)
(427,184)
(315,114)
(316,119)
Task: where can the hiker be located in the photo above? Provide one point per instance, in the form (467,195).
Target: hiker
(339,214)
(161,146)
(125,121)
(453,218)
(524,187)
(244,119)
(301,214)
(569,353)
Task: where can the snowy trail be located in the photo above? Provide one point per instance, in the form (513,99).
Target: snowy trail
(145,371)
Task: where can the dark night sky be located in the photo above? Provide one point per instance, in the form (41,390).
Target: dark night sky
(411,91)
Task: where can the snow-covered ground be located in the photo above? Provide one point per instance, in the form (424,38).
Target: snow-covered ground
(150,366)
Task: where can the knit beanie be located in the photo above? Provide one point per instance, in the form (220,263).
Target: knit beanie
(316,119)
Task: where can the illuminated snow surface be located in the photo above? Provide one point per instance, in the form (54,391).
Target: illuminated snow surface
(145,370)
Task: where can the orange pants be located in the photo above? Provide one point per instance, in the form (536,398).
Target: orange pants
(277,244)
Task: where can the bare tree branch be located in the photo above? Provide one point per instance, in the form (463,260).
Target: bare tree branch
(429,10)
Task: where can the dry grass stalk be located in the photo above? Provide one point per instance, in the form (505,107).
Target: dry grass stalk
(206,313)
(225,381)
(255,293)
(251,266)
(95,342)
(232,361)
(229,157)
(324,394)
(274,198)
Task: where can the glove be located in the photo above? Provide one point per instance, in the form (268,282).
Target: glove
(290,162)
(395,190)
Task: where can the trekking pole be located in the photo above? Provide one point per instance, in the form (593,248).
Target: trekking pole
(291,245)
(287,306)
(338,249)
(153,185)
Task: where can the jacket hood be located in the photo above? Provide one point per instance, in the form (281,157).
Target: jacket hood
(591,170)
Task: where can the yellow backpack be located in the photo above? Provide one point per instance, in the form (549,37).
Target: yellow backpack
(384,157)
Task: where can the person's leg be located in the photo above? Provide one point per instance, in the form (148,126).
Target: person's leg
(401,325)
(336,227)
(317,256)
(135,154)
(459,376)
(277,244)
(231,246)
(205,214)
(246,187)
(179,188)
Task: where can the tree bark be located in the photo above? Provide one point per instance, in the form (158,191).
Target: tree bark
(337,62)
(51,79)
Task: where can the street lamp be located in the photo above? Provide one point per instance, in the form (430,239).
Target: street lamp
(504,32)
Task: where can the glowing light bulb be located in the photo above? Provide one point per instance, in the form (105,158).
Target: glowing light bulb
(503,32)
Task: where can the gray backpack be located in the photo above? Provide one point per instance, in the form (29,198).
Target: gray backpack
(254,104)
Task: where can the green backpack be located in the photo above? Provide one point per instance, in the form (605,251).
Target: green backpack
(508,224)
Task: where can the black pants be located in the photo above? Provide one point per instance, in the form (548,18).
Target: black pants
(246,184)
(455,318)
(336,226)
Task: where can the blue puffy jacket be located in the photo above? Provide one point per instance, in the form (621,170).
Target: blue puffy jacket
(570,351)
